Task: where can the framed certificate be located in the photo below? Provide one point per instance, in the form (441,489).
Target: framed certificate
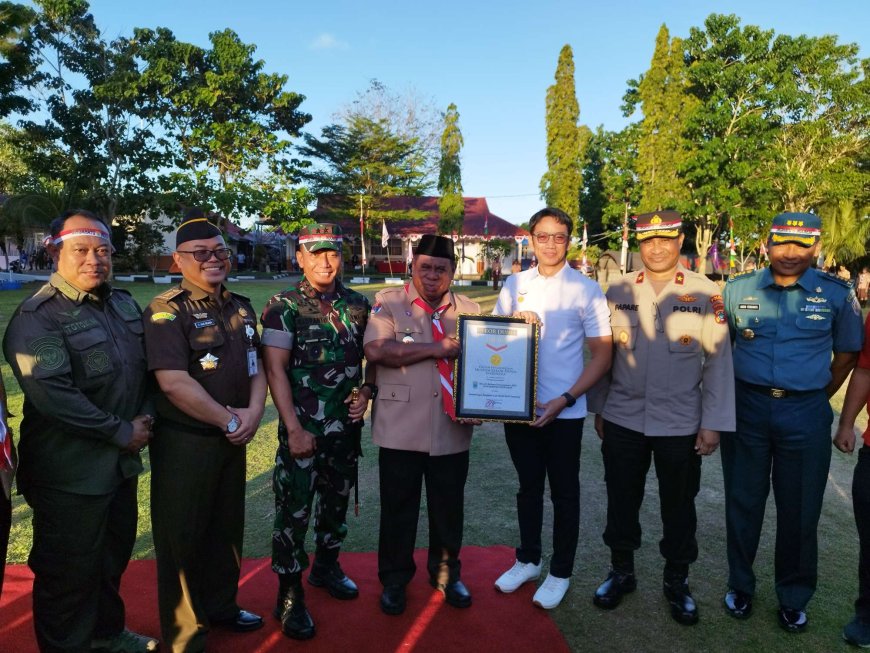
(496,373)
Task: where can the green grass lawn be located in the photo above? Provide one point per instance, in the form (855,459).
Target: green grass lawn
(642,623)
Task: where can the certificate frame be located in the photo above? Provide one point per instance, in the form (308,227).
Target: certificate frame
(495,375)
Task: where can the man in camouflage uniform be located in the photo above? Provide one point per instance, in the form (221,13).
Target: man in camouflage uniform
(312,338)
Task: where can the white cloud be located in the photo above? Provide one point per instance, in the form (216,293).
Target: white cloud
(327,41)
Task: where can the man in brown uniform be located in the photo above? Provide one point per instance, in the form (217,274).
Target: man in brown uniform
(669,394)
(409,339)
(203,346)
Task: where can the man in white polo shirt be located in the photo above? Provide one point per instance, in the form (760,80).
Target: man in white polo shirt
(571,310)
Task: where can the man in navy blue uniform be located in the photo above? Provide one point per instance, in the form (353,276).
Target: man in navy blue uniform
(785,322)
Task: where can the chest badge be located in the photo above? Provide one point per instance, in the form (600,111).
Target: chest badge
(685,340)
(748,334)
(243,312)
(209,362)
(408,339)
(520,299)
(623,337)
(815,316)
(200,316)
(249,331)
(817,300)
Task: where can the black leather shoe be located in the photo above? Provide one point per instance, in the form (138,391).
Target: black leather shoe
(738,604)
(792,621)
(609,594)
(243,622)
(393,599)
(455,592)
(683,607)
(334,580)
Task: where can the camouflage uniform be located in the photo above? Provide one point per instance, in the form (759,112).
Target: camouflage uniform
(324,335)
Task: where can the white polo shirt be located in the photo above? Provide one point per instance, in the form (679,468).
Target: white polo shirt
(571,307)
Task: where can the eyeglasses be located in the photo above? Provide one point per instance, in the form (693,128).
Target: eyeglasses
(543,237)
(203,255)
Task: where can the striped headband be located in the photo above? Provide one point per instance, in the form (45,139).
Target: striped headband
(77,233)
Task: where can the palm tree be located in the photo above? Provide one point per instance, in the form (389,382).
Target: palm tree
(845,231)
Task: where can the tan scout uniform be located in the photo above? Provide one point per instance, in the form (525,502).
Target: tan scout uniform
(672,372)
(418,442)
(408,413)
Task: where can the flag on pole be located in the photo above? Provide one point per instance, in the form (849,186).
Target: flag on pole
(486,224)
(763,251)
(585,242)
(623,257)
(385,235)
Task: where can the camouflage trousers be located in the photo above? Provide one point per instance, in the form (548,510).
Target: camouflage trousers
(330,475)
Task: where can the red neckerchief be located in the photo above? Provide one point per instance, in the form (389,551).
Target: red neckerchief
(445,367)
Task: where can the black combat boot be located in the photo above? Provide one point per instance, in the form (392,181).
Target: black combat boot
(327,573)
(676,590)
(619,582)
(296,622)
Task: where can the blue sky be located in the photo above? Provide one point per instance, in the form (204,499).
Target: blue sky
(494,59)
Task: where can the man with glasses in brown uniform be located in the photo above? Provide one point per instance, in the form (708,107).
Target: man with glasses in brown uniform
(203,347)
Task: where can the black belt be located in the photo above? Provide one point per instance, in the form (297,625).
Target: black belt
(211,431)
(776,393)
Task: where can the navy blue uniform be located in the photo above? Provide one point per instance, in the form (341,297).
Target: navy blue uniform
(782,339)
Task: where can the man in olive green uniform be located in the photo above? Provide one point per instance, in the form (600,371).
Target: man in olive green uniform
(76,348)
(203,348)
(312,343)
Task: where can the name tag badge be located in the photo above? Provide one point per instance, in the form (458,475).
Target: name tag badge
(252,362)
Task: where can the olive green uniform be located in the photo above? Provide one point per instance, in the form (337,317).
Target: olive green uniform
(80,360)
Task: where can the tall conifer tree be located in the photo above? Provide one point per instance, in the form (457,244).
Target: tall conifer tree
(665,103)
(451,206)
(560,185)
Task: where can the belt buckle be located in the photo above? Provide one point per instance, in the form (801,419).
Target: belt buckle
(777,393)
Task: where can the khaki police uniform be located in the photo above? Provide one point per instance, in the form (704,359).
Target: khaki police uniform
(198,476)
(417,440)
(80,360)
(672,375)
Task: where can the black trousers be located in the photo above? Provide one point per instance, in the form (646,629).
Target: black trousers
(538,454)
(401,481)
(861,506)
(198,519)
(627,456)
(5,527)
(81,547)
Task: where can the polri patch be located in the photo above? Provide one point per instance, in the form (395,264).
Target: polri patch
(48,352)
(97,361)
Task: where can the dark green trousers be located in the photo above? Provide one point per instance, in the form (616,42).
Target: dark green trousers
(81,546)
(198,519)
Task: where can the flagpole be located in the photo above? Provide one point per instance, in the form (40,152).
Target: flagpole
(385,243)
(362,235)
(623,257)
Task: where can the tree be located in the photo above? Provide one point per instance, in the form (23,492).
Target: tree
(845,231)
(451,205)
(823,104)
(560,185)
(15,64)
(226,122)
(662,95)
(731,73)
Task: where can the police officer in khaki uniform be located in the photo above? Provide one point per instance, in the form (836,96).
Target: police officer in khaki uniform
(409,339)
(669,394)
(203,347)
(76,348)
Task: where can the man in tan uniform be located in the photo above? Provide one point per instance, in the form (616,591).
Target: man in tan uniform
(410,339)
(669,394)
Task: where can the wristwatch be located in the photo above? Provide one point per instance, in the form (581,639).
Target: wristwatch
(570,399)
(372,388)
(233,424)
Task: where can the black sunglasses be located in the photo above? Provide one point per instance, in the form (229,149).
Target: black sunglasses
(202,255)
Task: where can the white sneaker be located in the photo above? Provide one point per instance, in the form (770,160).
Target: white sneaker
(551,592)
(521,572)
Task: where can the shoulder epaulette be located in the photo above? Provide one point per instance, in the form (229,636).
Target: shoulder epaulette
(172,293)
(740,275)
(828,276)
(39,297)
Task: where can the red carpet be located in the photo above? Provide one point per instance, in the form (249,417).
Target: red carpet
(494,623)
